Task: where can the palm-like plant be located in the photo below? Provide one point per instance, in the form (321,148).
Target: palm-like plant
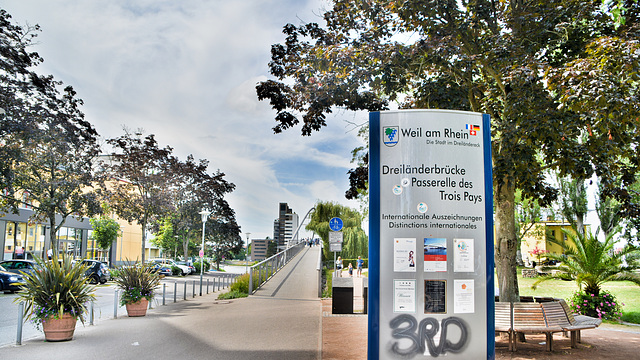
(136,281)
(590,262)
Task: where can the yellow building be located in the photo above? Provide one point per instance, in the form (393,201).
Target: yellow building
(537,242)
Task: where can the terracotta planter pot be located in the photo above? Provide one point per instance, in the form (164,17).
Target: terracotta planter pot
(138,308)
(59,329)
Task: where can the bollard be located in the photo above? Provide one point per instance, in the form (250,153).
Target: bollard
(184,295)
(91,314)
(175,291)
(207,286)
(194,288)
(115,305)
(218,279)
(20,321)
(164,294)
(250,282)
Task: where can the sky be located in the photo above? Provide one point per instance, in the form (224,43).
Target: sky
(186,71)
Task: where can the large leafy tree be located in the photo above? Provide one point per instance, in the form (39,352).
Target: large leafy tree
(142,176)
(510,59)
(47,148)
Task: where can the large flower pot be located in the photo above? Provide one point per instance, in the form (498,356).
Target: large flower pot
(59,329)
(138,308)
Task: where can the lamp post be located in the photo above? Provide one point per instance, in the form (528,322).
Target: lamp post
(204,214)
(246,255)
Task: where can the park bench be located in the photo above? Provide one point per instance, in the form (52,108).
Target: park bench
(540,316)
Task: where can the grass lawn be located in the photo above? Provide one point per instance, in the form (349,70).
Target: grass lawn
(626,292)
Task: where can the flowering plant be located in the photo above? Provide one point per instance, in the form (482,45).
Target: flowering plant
(58,287)
(136,281)
(603,306)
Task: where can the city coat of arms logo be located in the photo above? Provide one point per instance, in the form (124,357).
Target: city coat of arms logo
(390,135)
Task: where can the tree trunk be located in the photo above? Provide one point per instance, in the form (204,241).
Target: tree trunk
(144,237)
(506,245)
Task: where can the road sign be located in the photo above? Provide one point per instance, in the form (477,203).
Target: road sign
(335,247)
(335,224)
(201,253)
(335,237)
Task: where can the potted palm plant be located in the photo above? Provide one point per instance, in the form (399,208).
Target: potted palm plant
(138,284)
(56,296)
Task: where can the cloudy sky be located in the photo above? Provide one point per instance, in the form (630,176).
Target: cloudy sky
(186,71)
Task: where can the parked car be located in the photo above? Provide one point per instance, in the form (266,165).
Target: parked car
(10,281)
(162,269)
(97,271)
(192,269)
(184,270)
(19,266)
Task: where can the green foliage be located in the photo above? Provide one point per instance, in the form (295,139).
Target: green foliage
(355,241)
(234,294)
(207,266)
(603,306)
(105,229)
(136,281)
(58,288)
(241,284)
(590,263)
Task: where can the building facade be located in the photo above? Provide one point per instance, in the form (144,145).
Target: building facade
(284,226)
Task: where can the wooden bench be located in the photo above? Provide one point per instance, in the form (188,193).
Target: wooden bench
(528,318)
(547,317)
(556,315)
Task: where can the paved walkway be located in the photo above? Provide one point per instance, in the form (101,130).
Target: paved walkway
(281,321)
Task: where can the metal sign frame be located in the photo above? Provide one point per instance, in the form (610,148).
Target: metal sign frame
(404,282)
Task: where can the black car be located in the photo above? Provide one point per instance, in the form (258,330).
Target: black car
(97,272)
(10,281)
(161,269)
(20,266)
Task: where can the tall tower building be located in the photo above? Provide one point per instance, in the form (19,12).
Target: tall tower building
(284,226)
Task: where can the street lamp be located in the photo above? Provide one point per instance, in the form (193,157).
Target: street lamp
(204,214)
(246,255)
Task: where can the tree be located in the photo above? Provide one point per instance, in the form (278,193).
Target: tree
(528,214)
(105,229)
(165,237)
(223,240)
(506,59)
(573,202)
(141,174)
(609,212)
(47,148)
(591,263)
(355,241)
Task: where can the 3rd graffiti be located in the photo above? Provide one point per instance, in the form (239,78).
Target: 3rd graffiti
(421,336)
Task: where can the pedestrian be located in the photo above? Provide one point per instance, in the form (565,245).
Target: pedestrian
(20,252)
(350,270)
(339,266)
(359,265)
(50,253)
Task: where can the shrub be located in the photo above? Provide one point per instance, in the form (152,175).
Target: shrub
(234,294)
(241,284)
(207,266)
(603,306)
(175,271)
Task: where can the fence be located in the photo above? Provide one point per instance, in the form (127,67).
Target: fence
(264,270)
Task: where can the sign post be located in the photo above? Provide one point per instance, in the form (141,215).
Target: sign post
(431,267)
(335,237)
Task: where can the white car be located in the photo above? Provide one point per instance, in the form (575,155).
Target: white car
(183,269)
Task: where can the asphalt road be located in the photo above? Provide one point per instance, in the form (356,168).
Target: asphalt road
(105,303)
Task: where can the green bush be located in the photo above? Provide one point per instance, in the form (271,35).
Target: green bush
(241,284)
(136,281)
(175,271)
(234,294)
(603,306)
(207,266)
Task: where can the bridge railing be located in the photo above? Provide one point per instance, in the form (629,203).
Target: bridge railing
(265,269)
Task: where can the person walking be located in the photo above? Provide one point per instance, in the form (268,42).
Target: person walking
(339,266)
(359,265)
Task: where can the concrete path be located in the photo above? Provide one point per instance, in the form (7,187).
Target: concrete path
(281,321)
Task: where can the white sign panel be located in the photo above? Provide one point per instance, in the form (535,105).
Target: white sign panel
(430,223)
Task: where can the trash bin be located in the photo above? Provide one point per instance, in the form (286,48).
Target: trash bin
(342,299)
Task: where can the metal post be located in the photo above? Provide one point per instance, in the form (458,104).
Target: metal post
(20,321)
(184,296)
(91,314)
(115,305)
(175,291)
(251,282)
(164,294)
(207,286)
(194,288)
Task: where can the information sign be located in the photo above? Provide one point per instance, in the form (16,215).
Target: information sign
(335,247)
(335,237)
(431,235)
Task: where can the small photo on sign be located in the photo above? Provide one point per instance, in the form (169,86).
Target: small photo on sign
(435,254)
(404,254)
(435,296)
